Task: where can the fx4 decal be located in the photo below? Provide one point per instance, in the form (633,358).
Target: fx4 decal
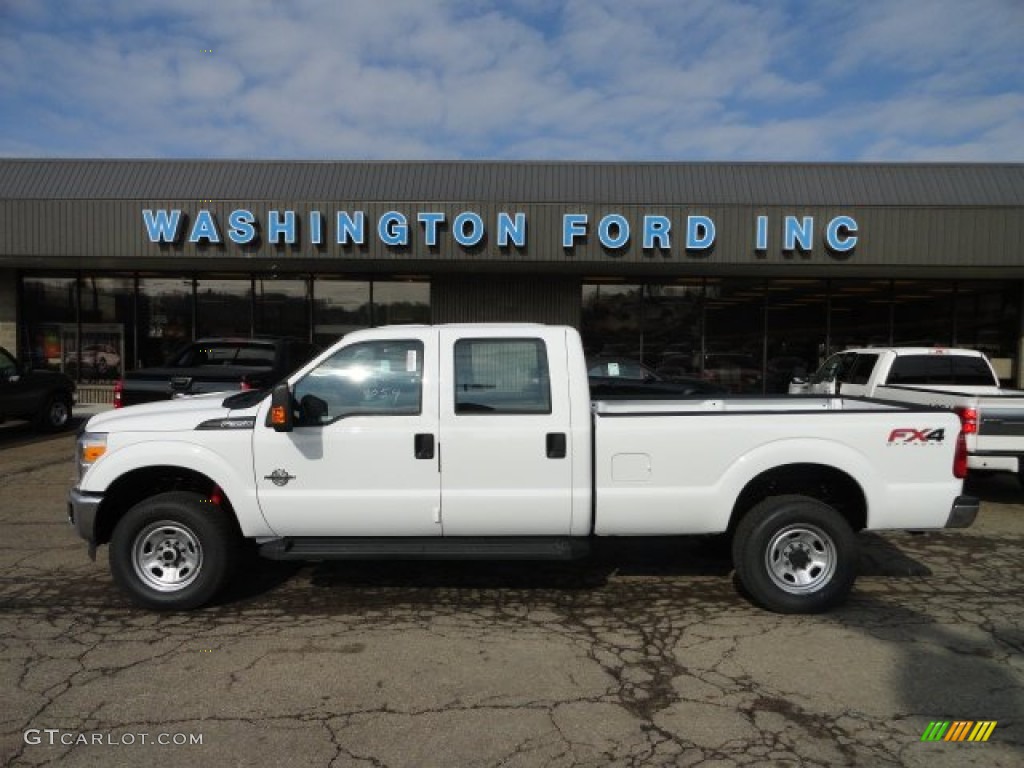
(909,436)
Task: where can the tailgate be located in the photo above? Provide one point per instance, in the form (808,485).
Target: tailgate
(1001,426)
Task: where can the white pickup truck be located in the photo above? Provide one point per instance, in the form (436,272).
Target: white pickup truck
(960,379)
(481,441)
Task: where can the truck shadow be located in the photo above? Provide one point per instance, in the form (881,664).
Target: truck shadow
(703,558)
(881,557)
(648,557)
(944,671)
(998,488)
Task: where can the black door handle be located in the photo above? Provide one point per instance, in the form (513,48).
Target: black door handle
(423,446)
(556,445)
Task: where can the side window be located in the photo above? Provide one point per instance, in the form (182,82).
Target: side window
(497,376)
(380,378)
(861,369)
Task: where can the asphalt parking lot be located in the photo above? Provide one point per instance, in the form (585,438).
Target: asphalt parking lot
(639,656)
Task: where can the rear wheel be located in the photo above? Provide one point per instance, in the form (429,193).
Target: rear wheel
(795,554)
(174,551)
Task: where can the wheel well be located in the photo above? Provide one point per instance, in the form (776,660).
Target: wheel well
(818,481)
(131,488)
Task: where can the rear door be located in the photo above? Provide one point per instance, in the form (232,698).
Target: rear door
(506,438)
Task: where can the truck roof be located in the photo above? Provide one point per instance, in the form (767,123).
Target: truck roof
(918,351)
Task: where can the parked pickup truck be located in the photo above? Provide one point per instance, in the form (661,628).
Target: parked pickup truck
(214,365)
(960,379)
(43,397)
(482,442)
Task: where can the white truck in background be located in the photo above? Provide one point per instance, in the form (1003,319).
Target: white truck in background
(482,442)
(962,380)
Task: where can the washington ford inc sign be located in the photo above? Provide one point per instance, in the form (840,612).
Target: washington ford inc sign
(469,230)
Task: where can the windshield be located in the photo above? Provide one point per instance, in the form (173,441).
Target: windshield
(834,369)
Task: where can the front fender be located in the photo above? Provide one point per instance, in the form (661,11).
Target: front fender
(230,468)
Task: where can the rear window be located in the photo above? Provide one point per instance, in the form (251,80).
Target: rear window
(249,355)
(973,371)
(940,370)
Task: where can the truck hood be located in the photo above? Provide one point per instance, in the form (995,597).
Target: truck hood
(178,415)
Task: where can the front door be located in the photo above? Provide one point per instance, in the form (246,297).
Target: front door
(362,460)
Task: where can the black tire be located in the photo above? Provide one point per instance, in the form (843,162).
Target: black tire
(55,414)
(173,552)
(795,554)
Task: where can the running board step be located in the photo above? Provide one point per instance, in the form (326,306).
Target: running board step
(427,548)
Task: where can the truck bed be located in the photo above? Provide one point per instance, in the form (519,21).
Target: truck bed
(744,404)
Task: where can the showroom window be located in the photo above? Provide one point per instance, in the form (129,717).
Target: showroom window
(164,318)
(754,336)
(224,307)
(281,307)
(339,307)
(49,320)
(95,327)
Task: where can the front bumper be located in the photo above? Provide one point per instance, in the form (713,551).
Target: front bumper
(965,509)
(82,507)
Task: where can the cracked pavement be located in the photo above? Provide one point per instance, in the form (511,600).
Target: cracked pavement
(643,655)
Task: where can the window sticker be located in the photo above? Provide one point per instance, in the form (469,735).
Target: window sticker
(613,369)
(410,361)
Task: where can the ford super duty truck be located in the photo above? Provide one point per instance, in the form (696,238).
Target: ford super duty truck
(481,441)
(960,379)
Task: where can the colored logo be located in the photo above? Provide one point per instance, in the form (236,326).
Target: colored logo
(958,730)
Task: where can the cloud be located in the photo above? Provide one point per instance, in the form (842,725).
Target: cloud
(526,79)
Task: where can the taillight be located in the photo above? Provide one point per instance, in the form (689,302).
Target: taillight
(968,426)
(118,389)
(960,457)
(246,384)
(968,420)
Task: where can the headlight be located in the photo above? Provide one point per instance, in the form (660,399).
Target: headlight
(88,449)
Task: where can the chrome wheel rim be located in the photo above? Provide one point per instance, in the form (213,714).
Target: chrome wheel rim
(167,556)
(800,558)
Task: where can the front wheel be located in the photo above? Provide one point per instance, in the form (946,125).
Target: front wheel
(173,552)
(55,414)
(795,554)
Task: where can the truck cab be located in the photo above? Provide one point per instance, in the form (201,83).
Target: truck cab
(398,416)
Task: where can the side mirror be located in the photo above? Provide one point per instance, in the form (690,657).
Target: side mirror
(280,414)
(313,410)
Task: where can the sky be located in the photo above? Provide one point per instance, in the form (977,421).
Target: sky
(604,80)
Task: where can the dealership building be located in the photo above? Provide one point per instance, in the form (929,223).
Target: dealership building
(744,273)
